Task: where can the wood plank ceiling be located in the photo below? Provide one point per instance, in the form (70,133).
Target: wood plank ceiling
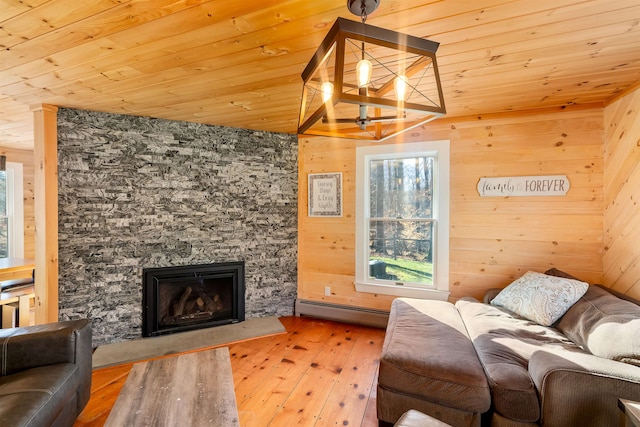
(238,63)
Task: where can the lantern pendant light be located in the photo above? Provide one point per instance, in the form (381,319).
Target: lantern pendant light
(370,83)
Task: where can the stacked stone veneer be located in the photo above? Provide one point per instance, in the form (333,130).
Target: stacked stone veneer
(137,192)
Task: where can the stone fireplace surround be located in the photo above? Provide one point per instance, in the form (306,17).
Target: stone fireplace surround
(138,192)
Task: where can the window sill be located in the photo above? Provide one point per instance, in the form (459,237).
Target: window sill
(403,291)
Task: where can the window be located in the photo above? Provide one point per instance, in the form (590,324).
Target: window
(11,212)
(402,219)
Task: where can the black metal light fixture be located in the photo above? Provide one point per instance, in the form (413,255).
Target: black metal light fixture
(369,83)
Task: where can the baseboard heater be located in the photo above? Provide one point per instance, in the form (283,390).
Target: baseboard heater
(342,313)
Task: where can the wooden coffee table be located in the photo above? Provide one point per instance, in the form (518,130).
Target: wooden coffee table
(192,389)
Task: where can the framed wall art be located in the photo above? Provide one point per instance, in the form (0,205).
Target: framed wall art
(325,194)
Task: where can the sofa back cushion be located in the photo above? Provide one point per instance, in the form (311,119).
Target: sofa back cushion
(31,350)
(604,325)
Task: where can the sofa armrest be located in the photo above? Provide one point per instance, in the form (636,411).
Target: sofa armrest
(43,345)
(490,294)
(582,389)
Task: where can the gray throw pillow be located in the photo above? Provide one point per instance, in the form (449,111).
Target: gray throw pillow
(539,297)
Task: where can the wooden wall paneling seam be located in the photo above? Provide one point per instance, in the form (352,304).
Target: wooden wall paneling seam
(621,220)
(525,155)
(622,139)
(591,205)
(622,173)
(513,247)
(558,140)
(615,114)
(631,89)
(621,260)
(622,156)
(544,116)
(620,253)
(500,263)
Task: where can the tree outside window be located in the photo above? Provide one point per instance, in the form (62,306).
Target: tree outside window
(401,219)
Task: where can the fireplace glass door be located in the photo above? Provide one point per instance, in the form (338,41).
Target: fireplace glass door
(192,297)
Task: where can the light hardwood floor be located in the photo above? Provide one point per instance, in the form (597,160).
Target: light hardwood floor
(318,373)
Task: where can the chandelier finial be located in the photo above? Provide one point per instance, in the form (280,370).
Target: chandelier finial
(362,8)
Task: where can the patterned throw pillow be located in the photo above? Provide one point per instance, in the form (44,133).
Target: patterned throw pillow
(540,298)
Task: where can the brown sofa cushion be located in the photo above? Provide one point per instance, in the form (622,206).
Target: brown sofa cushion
(504,344)
(427,354)
(605,325)
(560,273)
(37,396)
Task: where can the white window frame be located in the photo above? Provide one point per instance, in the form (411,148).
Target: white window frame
(15,209)
(440,151)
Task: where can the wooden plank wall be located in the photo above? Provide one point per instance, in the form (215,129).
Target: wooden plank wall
(26,158)
(493,240)
(622,194)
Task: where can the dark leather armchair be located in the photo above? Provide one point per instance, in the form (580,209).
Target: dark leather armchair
(45,373)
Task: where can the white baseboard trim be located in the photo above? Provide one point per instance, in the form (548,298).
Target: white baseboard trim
(342,313)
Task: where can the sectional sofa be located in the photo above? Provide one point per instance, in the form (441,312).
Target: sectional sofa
(478,363)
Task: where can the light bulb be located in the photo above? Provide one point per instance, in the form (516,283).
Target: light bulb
(327,91)
(400,85)
(363,72)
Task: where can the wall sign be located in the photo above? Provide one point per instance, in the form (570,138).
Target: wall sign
(325,194)
(550,185)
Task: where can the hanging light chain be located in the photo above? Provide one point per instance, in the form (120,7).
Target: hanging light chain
(363,15)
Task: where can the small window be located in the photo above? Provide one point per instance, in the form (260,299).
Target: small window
(402,231)
(11,212)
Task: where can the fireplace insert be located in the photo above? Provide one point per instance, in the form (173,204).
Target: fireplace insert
(176,299)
